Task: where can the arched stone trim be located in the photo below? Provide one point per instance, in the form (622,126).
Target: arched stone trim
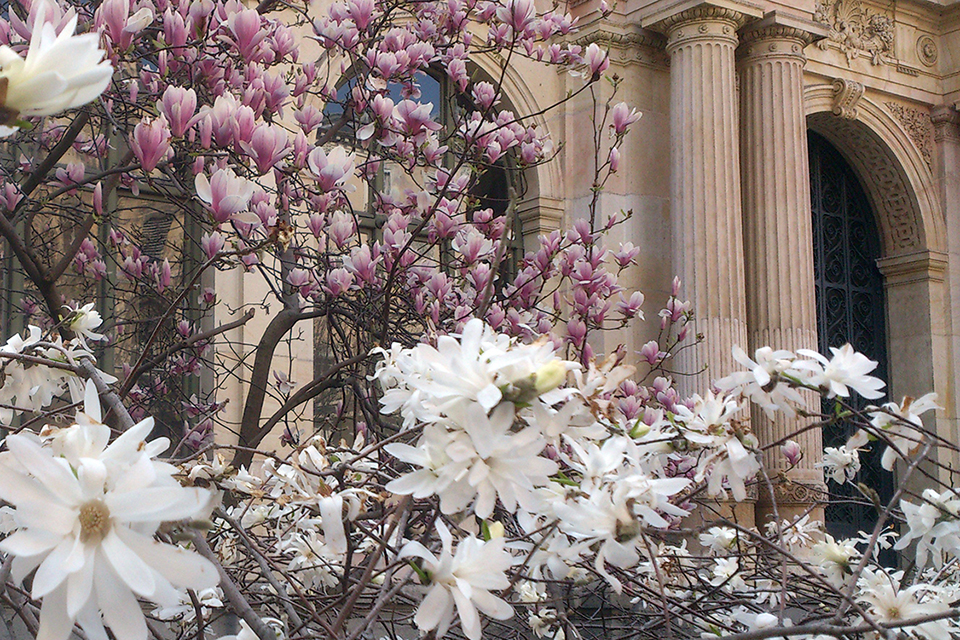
(541,209)
(890,167)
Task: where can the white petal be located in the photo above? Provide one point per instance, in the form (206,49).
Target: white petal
(80,585)
(128,565)
(55,624)
(54,476)
(120,609)
(30,542)
(432,609)
(181,567)
(159,504)
(55,569)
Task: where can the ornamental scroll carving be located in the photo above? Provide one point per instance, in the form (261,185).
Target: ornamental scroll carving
(856,30)
(846,95)
(918,126)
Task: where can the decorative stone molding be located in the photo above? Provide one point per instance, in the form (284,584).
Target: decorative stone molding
(946,123)
(846,95)
(641,45)
(855,30)
(691,20)
(918,126)
(778,35)
(927,50)
(917,266)
(791,492)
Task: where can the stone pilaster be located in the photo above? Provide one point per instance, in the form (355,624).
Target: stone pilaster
(946,127)
(777,224)
(705,204)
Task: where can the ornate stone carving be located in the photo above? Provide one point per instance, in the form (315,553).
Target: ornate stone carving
(846,95)
(786,491)
(927,50)
(898,212)
(856,30)
(946,123)
(643,46)
(918,126)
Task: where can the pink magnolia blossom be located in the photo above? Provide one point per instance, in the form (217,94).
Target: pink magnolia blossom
(597,60)
(268,145)
(226,195)
(330,170)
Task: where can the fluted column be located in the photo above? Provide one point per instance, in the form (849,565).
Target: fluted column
(777,223)
(705,179)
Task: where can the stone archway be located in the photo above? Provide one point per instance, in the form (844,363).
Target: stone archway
(898,184)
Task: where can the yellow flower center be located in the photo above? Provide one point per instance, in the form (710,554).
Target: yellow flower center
(94,521)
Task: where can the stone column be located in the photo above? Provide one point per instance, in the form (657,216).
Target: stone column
(777,225)
(705,177)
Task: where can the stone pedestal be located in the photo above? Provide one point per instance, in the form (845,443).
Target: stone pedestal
(777,225)
(705,178)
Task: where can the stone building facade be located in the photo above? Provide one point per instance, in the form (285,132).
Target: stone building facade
(718,170)
(717,175)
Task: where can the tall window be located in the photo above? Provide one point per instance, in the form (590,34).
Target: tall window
(850,308)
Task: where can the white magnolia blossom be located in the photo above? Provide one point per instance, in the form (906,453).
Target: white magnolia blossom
(847,370)
(461,580)
(835,559)
(840,464)
(901,424)
(934,524)
(889,601)
(761,383)
(728,456)
(32,386)
(82,321)
(719,540)
(87,512)
(41,84)
(482,366)
(476,456)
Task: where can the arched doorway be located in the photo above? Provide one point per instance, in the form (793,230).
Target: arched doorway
(850,308)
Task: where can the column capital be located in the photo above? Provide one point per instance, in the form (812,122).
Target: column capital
(946,123)
(778,35)
(706,19)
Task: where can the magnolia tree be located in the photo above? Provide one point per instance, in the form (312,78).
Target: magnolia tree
(482,471)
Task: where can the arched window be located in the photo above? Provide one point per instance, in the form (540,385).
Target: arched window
(850,308)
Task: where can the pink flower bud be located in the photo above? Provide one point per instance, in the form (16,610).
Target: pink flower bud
(178,106)
(622,117)
(597,60)
(791,451)
(150,142)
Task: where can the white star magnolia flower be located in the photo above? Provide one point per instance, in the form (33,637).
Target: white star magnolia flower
(41,84)
(482,366)
(847,370)
(87,513)
(890,603)
(35,386)
(728,454)
(840,464)
(901,424)
(463,580)
(834,558)
(82,321)
(476,456)
(934,524)
(762,383)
